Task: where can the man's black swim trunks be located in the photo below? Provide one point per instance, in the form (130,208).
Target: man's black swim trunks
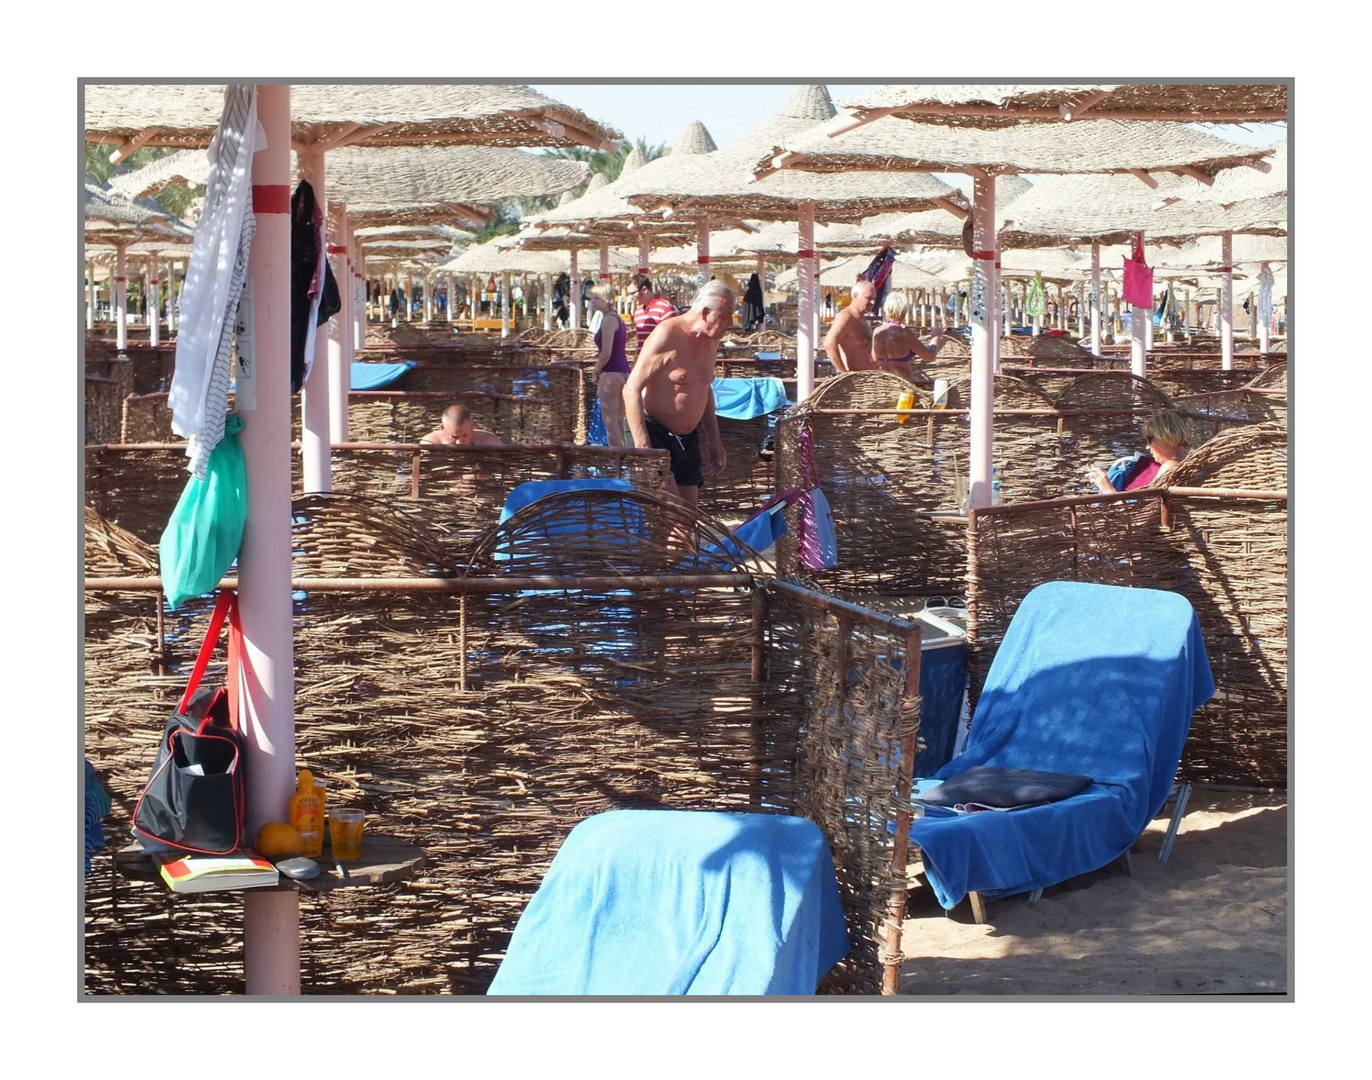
(683,449)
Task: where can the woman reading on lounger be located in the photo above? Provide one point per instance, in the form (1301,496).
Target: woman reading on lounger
(1168,445)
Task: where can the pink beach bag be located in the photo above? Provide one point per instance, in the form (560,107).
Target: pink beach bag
(1138,278)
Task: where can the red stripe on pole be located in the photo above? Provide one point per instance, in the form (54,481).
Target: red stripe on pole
(121,279)
(806,254)
(642,269)
(604,277)
(983,254)
(1226,270)
(334,249)
(271,199)
(702,259)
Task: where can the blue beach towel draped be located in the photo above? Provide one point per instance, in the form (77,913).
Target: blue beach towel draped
(743,399)
(1092,679)
(680,902)
(365,376)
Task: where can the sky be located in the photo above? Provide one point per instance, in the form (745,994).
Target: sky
(659,112)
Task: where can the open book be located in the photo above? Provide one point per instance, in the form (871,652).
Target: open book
(211,873)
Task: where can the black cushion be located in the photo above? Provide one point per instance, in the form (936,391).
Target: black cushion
(988,785)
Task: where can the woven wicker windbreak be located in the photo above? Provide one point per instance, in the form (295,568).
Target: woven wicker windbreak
(575,702)
(1226,554)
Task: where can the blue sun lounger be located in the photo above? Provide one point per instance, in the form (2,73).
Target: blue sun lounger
(1090,679)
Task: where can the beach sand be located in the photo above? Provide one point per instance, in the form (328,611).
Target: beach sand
(1212,920)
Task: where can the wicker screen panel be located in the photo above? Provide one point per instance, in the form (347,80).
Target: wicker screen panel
(484,728)
(749,477)
(1226,554)
(880,478)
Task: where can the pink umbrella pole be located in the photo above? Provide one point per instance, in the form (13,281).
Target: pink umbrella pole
(121,298)
(985,328)
(805,298)
(271,923)
(1227,301)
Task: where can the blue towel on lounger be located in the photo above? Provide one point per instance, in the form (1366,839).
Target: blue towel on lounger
(1092,679)
(367,376)
(743,399)
(680,902)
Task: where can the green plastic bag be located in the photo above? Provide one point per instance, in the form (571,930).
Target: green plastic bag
(1035,303)
(205,532)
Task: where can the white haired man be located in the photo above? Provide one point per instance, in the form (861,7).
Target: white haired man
(849,340)
(668,398)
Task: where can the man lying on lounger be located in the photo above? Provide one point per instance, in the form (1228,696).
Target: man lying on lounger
(668,397)
(459,429)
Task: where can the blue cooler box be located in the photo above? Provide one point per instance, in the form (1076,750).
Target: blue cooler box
(942,685)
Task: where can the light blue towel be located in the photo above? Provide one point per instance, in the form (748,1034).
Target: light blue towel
(743,399)
(681,902)
(1091,679)
(364,376)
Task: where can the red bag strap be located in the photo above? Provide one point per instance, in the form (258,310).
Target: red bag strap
(1138,247)
(226,606)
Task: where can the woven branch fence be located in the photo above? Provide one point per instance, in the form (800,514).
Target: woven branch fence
(393,416)
(483,725)
(456,492)
(1218,535)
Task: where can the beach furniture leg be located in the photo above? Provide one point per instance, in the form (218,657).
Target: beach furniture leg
(1035,897)
(978,908)
(1182,792)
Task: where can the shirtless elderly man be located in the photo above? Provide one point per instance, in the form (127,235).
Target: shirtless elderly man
(849,340)
(668,397)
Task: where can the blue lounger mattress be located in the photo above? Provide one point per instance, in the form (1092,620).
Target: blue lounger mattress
(680,902)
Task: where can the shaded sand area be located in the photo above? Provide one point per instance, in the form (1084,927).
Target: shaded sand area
(1213,920)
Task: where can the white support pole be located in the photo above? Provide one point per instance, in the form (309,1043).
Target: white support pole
(806,339)
(271,921)
(604,260)
(1186,323)
(154,300)
(1095,298)
(985,328)
(1148,327)
(1262,309)
(338,328)
(1000,301)
(547,301)
(1252,317)
(121,298)
(173,298)
(643,248)
(409,297)
(316,474)
(524,298)
(90,295)
(505,304)
(574,301)
(1083,291)
(702,251)
(1227,301)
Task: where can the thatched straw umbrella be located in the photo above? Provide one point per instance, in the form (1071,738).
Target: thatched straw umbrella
(983,151)
(1012,104)
(606,215)
(323,118)
(1112,209)
(723,184)
(121,222)
(493,257)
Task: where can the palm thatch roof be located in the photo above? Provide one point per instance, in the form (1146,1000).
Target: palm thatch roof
(1205,252)
(189,167)
(493,258)
(438,174)
(1234,186)
(938,228)
(412,232)
(1086,146)
(368,115)
(1004,105)
(607,215)
(722,183)
(1111,207)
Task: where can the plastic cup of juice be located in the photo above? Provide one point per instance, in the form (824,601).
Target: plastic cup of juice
(345,833)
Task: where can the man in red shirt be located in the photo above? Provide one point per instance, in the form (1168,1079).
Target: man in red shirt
(649,308)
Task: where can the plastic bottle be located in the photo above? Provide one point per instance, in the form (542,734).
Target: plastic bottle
(905,401)
(995,486)
(306,813)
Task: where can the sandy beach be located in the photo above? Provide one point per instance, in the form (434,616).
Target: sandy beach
(1212,920)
